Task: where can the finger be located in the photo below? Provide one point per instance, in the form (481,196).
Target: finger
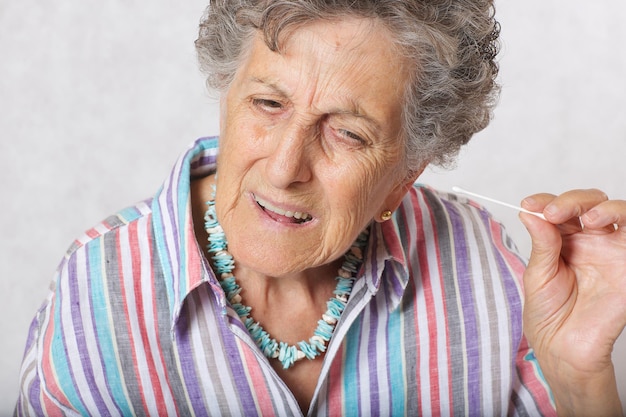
(565,207)
(606,216)
(538,202)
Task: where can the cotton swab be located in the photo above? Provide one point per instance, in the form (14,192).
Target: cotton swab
(471,194)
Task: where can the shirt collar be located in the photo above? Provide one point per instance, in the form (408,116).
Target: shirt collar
(183,263)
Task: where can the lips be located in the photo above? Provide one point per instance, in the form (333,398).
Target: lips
(283,215)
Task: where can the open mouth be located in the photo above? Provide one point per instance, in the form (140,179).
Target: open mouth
(282,215)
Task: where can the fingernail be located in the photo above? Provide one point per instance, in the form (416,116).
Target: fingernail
(528,201)
(551,209)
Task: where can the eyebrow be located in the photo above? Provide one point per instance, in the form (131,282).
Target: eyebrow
(269,84)
(353,109)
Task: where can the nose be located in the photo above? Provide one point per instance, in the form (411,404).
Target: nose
(289,161)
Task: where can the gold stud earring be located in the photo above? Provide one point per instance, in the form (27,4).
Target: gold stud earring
(385,215)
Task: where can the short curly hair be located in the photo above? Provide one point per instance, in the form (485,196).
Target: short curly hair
(453,44)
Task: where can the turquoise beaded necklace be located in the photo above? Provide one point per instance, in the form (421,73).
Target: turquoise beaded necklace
(223,264)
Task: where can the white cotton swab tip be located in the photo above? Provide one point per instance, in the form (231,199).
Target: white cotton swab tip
(502,203)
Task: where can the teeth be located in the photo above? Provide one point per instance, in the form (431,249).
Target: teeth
(296,215)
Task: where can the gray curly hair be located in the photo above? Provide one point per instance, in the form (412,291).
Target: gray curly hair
(453,44)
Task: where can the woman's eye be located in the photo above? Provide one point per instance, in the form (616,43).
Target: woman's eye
(351,136)
(336,131)
(267,104)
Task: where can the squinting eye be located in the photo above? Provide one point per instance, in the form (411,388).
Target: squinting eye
(268,104)
(350,135)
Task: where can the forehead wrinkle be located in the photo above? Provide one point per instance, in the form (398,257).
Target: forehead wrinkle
(279,89)
(351,60)
(342,51)
(327,92)
(351,107)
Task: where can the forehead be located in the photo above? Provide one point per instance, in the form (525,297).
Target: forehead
(350,58)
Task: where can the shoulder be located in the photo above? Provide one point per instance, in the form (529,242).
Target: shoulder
(456,249)
(454,217)
(461,235)
(110,226)
(198,160)
(425,198)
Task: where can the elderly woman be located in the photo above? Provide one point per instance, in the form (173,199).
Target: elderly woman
(291,266)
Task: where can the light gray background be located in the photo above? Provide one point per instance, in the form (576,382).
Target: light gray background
(97,99)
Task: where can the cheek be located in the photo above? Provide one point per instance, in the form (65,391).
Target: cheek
(244,137)
(380,179)
(362,189)
(237,149)
(225,201)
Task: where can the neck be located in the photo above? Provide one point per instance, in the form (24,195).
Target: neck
(303,281)
(307,290)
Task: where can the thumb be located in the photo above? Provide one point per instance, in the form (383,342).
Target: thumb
(545,253)
(542,293)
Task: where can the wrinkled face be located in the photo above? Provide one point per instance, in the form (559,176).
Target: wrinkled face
(310,148)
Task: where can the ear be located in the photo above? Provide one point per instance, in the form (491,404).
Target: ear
(395,196)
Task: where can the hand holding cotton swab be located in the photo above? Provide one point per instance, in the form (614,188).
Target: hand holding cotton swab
(502,203)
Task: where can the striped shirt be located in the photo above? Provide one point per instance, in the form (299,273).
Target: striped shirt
(137,324)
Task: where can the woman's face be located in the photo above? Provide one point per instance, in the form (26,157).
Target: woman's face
(310,148)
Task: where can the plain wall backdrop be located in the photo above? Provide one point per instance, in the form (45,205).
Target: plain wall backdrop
(97,99)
